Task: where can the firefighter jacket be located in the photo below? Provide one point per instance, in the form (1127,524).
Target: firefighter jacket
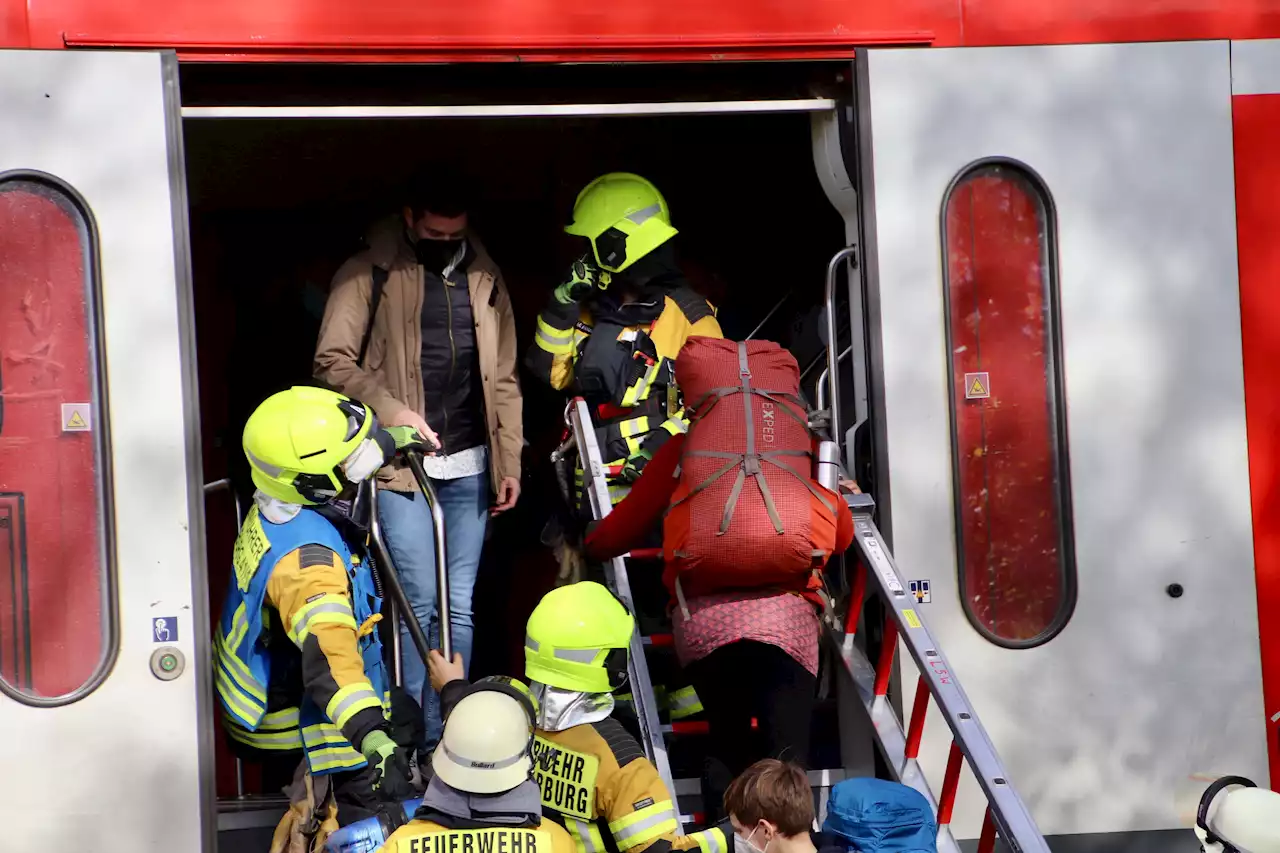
(298,626)
(621,360)
(596,782)
(427,836)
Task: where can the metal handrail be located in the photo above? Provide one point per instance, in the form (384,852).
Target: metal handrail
(378,545)
(1007,815)
(833,363)
(390,578)
(210,488)
(442,556)
(596,487)
(224,485)
(821,387)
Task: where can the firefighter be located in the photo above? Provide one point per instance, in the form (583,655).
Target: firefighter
(481,798)
(611,333)
(613,328)
(298,662)
(594,777)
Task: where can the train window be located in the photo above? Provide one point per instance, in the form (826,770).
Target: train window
(1008,425)
(57,637)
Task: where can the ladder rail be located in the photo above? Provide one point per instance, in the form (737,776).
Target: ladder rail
(596,486)
(1006,810)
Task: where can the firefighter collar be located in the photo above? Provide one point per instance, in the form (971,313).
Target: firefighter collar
(509,808)
(560,709)
(275,510)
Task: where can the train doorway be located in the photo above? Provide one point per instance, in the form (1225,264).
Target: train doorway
(280,199)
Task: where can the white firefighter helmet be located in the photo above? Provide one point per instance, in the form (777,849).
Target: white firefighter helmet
(1236,816)
(488,740)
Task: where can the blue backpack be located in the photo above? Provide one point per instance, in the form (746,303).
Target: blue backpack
(875,816)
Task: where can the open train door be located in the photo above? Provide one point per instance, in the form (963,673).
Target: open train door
(1052,256)
(104,685)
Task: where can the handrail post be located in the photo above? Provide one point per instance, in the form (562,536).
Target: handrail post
(210,488)
(393,606)
(442,559)
(391,580)
(833,360)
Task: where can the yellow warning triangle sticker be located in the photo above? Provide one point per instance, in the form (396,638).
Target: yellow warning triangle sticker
(976,388)
(76,422)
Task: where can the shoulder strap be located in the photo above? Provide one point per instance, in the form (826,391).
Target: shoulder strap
(690,303)
(380,277)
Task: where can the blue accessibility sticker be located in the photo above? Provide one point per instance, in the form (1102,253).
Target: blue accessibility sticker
(164,629)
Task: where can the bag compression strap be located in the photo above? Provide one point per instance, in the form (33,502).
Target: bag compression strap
(380,277)
(749,463)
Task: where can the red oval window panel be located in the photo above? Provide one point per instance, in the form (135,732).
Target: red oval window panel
(55,616)
(1012,495)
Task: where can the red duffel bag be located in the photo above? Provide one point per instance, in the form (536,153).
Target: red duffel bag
(747,512)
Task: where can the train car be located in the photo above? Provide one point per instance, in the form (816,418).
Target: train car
(1057,343)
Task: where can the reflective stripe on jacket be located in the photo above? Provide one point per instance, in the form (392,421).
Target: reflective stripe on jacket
(348,604)
(633,375)
(628,808)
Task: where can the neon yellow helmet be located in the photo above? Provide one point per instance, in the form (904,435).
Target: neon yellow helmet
(297,440)
(577,639)
(624,217)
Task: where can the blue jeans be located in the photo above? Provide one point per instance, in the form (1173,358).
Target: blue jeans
(407,530)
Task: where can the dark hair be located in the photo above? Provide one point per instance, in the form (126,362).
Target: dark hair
(772,790)
(442,191)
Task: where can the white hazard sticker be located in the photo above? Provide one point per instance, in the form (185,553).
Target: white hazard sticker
(77,417)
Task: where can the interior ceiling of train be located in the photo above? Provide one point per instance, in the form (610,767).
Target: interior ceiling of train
(291,198)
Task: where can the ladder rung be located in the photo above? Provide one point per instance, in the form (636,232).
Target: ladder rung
(987,843)
(696,727)
(659,641)
(645,554)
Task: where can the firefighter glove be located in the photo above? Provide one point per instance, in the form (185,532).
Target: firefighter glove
(390,770)
(408,438)
(583,278)
(634,465)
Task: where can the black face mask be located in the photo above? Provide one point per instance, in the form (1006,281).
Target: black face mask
(655,267)
(435,255)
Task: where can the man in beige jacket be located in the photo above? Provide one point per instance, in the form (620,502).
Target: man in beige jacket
(420,327)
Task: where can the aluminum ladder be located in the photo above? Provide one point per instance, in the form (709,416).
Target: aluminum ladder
(596,486)
(875,572)
(872,570)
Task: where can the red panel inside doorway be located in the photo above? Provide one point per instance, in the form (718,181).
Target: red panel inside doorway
(1014,565)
